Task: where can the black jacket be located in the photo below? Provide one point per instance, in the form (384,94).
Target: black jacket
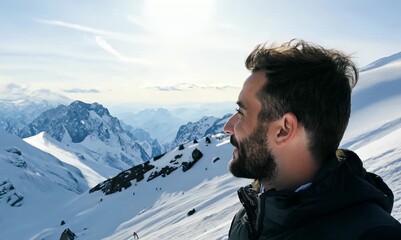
(343,202)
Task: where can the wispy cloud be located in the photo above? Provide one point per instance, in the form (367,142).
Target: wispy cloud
(97,31)
(12,87)
(109,49)
(16,92)
(101,42)
(79,27)
(12,92)
(188,87)
(80,90)
(48,95)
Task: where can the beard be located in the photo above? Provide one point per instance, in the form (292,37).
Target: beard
(254,159)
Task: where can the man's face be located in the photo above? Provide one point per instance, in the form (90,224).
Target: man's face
(252,157)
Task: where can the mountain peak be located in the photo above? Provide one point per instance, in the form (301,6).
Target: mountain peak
(79,120)
(96,107)
(92,127)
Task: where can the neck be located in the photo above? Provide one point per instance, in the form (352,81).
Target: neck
(291,176)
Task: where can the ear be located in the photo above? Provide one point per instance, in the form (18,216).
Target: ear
(286,129)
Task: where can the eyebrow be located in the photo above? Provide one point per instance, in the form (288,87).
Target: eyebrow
(241,105)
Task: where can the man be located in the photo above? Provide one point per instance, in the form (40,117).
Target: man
(293,111)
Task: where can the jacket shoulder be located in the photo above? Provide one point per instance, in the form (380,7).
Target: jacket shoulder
(239,229)
(349,223)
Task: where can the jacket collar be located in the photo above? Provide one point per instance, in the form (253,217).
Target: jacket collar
(340,183)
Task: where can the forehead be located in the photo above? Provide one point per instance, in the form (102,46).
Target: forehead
(251,87)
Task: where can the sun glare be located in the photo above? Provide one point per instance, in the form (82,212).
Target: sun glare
(177,19)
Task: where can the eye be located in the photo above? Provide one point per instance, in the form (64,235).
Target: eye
(239,111)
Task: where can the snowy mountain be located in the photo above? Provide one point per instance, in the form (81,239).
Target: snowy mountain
(196,130)
(16,114)
(218,125)
(91,127)
(154,198)
(151,146)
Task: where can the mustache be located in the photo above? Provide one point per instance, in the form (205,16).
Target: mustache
(234,141)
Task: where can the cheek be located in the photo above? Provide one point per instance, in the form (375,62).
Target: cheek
(241,131)
(238,129)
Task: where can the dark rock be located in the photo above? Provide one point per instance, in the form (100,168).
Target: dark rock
(14,150)
(191,212)
(158,157)
(196,155)
(67,235)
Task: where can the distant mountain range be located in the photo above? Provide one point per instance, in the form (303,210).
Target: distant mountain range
(15,115)
(164,123)
(79,122)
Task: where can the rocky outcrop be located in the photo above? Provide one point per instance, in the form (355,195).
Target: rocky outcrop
(9,195)
(196,155)
(123,179)
(18,159)
(163,172)
(67,235)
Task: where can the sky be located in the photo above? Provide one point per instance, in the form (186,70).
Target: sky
(161,52)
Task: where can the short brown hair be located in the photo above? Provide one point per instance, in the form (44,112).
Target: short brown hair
(313,83)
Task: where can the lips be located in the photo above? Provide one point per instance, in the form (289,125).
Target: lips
(234,142)
(235,151)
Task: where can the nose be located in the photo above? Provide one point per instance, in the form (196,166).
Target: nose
(229,126)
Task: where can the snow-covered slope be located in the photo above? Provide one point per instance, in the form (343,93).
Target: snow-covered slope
(376,99)
(92,171)
(32,183)
(161,202)
(29,163)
